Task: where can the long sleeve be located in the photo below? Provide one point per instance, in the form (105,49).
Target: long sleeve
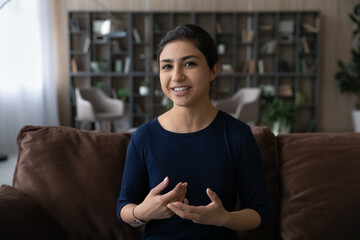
(135,186)
(253,191)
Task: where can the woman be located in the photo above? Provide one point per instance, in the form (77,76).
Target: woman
(185,169)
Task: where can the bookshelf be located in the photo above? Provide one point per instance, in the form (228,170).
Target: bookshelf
(277,51)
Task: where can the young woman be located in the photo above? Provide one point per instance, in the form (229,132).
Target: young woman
(185,169)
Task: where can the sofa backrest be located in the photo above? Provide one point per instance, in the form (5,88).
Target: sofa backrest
(76,176)
(320,185)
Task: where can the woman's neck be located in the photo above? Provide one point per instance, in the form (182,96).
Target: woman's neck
(187,120)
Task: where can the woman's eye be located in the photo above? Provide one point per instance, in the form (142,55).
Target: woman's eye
(189,64)
(165,67)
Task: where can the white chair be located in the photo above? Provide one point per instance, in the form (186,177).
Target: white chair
(92,105)
(243,105)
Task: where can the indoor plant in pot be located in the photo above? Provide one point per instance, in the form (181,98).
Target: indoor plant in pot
(347,78)
(279,116)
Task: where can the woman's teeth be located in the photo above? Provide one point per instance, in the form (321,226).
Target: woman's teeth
(179,89)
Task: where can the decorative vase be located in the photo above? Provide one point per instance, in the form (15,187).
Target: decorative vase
(356,120)
(143,90)
(221,49)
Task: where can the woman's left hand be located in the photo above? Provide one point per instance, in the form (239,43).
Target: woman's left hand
(211,214)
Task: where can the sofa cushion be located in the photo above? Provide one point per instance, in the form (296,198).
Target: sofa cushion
(23,218)
(76,176)
(320,177)
(266,141)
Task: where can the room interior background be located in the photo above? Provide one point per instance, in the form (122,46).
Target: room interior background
(334,108)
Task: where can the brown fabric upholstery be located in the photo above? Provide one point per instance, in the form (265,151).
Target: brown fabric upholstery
(266,141)
(23,218)
(320,185)
(76,176)
(68,180)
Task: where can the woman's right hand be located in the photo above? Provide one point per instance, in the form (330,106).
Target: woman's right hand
(154,205)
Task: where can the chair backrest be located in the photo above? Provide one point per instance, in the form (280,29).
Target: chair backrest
(249,104)
(84,109)
(96,97)
(90,102)
(246,95)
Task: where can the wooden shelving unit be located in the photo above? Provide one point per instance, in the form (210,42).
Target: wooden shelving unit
(274,50)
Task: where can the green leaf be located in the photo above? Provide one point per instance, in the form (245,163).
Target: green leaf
(353,18)
(340,64)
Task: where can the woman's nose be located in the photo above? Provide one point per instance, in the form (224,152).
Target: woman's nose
(178,74)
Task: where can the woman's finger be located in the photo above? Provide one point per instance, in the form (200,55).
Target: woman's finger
(161,186)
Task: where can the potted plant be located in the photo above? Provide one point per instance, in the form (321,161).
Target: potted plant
(347,78)
(279,116)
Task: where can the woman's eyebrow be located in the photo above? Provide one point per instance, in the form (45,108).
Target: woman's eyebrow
(182,59)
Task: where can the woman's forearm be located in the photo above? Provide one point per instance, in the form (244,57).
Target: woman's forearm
(242,220)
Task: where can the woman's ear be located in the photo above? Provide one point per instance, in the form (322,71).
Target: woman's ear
(214,71)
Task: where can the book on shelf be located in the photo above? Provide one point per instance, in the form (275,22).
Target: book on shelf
(115,45)
(127,64)
(261,68)
(308,65)
(219,28)
(136,35)
(303,65)
(305,45)
(74,67)
(311,28)
(266,27)
(74,25)
(86,45)
(249,66)
(247,36)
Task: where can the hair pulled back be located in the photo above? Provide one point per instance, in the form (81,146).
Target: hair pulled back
(197,36)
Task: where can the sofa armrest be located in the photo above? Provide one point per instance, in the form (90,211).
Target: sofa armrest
(23,218)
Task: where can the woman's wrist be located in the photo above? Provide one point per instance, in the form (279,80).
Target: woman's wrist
(136,219)
(223,219)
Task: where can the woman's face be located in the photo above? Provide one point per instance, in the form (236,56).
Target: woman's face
(185,75)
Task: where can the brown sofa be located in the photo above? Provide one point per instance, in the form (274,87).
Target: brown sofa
(66,183)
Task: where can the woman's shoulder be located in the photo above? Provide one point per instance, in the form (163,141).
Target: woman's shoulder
(232,122)
(144,130)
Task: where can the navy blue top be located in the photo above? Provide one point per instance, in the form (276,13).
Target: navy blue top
(223,156)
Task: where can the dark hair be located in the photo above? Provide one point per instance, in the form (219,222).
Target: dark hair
(197,36)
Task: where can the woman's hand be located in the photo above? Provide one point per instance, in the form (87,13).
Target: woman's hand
(155,206)
(211,214)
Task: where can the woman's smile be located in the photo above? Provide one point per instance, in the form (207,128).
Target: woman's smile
(180,91)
